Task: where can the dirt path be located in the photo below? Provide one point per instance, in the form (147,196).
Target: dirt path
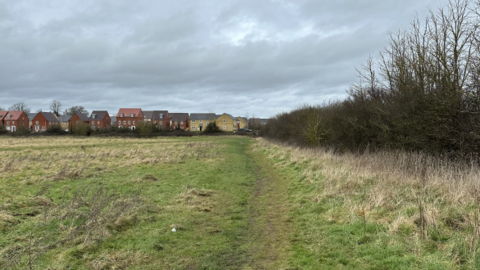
(268,221)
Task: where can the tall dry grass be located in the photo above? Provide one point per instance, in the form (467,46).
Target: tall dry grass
(400,190)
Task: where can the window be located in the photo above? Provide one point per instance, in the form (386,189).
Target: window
(129,122)
(181,122)
(224,120)
(132,115)
(161,123)
(193,121)
(36,122)
(119,123)
(161,116)
(13,122)
(134,122)
(10,116)
(200,121)
(98,122)
(176,122)
(8,122)
(124,122)
(37,128)
(224,127)
(93,123)
(122,115)
(94,116)
(43,128)
(193,128)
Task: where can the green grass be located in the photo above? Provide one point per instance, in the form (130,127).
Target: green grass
(211,231)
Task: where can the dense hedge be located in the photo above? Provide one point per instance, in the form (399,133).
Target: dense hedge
(423,93)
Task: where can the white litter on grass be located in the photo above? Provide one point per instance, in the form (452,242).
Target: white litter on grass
(173,230)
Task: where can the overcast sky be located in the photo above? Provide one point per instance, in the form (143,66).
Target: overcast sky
(254,57)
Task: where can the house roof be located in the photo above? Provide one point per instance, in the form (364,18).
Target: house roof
(83,117)
(127,111)
(148,114)
(31,116)
(98,115)
(229,115)
(178,116)
(243,118)
(202,116)
(157,114)
(49,116)
(64,118)
(2,114)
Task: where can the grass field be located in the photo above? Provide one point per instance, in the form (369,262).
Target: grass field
(234,202)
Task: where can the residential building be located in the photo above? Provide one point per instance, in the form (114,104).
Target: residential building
(227,122)
(64,121)
(78,119)
(100,120)
(147,116)
(199,121)
(43,120)
(242,122)
(30,118)
(179,120)
(161,119)
(2,115)
(113,121)
(129,118)
(13,120)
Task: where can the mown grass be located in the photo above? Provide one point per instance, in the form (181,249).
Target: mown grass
(366,211)
(56,211)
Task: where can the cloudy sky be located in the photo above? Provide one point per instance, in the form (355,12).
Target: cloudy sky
(244,57)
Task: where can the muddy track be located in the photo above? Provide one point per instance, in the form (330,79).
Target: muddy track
(268,218)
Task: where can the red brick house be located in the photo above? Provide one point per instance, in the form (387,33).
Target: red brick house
(76,119)
(100,119)
(12,120)
(2,115)
(129,118)
(179,120)
(161,119)
(43,120)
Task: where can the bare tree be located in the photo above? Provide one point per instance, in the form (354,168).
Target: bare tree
(20,106)
(75,109)
(55,107)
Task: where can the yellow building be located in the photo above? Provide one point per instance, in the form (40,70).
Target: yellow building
(199,121)
(243,122)
(227,122)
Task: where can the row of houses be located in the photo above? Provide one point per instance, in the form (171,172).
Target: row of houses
(125,118)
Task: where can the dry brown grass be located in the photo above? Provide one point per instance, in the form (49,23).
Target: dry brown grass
(396,185)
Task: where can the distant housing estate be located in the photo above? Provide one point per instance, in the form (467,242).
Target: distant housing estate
(126,118)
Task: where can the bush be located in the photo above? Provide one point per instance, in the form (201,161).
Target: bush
(22,131)
(2,129)
(144,129)
(55,130)
(81,129)
(212,128)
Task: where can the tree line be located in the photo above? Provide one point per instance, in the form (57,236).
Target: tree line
(55,108)
(421,93)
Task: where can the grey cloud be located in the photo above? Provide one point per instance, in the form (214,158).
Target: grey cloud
(263,57)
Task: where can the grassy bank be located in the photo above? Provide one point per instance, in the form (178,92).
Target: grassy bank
(387,210)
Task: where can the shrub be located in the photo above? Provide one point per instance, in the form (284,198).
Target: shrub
(82,129)
(55,130)
(2,129)
(212,128)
